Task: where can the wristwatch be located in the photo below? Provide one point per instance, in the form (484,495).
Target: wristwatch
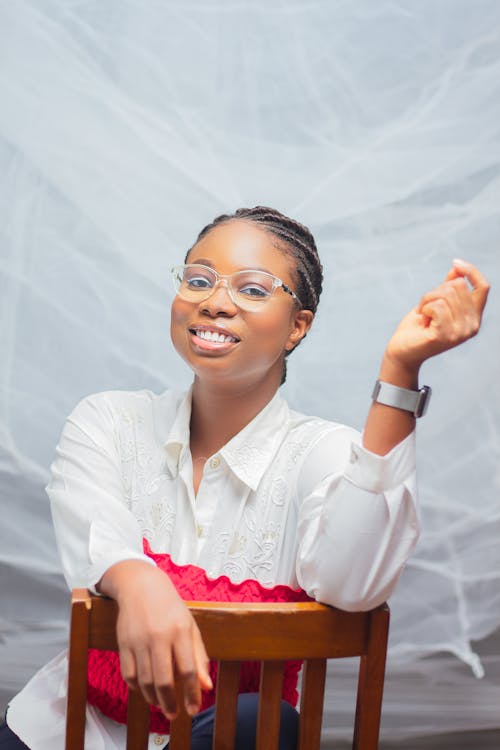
(402,398)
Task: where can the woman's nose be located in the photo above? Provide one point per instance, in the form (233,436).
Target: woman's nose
(220,301)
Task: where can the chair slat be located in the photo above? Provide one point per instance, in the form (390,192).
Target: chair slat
(137,721)
(77,670)
(228,679)
(104,615)
(371,683)
(268,719)
(180,728)
(311,703)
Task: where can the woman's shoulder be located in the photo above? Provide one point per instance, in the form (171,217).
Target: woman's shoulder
(318,429)
(321,448)
(127,406)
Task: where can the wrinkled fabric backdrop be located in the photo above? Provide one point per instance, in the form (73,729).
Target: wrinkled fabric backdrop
(125,126)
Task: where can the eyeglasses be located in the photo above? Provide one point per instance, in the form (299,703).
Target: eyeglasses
(248,289)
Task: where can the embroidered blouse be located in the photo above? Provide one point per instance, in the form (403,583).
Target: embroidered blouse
(290,500)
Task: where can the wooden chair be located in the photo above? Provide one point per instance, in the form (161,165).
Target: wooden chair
(233,633)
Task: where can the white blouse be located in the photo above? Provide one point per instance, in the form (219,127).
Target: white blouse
(289,500)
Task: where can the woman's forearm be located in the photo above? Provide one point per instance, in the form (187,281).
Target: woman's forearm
(157,636)
(386,426)
(129,575)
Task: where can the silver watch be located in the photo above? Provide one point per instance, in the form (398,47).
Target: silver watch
(402,398)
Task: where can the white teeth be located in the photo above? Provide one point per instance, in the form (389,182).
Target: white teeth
(218,338)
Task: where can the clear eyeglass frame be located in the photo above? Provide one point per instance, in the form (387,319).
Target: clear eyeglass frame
(249,289)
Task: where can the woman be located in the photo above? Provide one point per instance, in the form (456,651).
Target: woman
(226,486)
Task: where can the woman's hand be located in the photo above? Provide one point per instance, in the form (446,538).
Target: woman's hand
(157,637)
(445,317)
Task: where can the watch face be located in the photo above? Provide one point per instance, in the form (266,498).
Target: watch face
(423,401)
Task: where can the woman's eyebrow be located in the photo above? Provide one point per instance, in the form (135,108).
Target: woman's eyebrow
(203,262)
(206,262)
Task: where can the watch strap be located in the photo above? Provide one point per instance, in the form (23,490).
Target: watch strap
(415,402)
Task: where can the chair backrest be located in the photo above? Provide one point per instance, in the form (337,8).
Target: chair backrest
(270,633)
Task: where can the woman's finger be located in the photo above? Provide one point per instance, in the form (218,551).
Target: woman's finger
(449,325)
(128,667)
(163,675)
(145,678)
(202,661)
(448,291)
(186,671)
(466,282)
(466,306)
(480,285)
(439,314)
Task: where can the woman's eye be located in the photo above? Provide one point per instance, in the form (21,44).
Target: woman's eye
(198,282)
(252,290)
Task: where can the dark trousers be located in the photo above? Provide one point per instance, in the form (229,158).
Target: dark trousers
(203,726)
(9,740)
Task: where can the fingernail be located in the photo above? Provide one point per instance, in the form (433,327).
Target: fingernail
(459,262)
(192,709)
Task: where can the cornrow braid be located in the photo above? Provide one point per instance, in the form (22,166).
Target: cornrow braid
(294,239)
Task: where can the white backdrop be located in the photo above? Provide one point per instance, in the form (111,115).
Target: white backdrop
(125,126)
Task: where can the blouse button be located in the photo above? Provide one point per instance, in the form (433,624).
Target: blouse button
(159,739)
(214,462)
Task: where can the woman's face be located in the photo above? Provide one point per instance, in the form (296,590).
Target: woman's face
(259,338)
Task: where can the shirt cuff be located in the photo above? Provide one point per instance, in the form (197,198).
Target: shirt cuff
(375,473)
(98,569)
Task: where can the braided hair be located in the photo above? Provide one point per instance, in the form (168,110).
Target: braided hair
(294,239)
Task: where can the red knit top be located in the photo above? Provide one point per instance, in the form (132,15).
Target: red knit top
(108,691)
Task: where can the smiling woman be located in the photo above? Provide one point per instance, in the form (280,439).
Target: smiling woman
(263,326)
(224,488)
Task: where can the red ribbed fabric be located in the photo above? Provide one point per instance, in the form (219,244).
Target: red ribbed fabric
(106,687)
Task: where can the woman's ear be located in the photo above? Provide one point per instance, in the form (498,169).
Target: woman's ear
(301,324)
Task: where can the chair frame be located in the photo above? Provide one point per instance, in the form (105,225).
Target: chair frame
(270,633)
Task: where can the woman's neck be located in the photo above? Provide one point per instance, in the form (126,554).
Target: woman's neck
(217,414)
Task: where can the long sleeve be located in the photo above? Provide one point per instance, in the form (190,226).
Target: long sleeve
(358,524)
(94,527)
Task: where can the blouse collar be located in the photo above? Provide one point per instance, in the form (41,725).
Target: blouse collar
(248,454)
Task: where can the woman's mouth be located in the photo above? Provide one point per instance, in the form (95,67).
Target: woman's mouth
(212,338)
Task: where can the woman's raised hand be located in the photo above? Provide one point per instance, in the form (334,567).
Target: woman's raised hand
(157,637)
(445,317)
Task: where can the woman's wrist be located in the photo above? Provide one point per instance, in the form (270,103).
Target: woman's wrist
(127,576)
(393,370)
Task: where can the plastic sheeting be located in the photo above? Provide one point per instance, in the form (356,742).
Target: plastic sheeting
(124,127)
